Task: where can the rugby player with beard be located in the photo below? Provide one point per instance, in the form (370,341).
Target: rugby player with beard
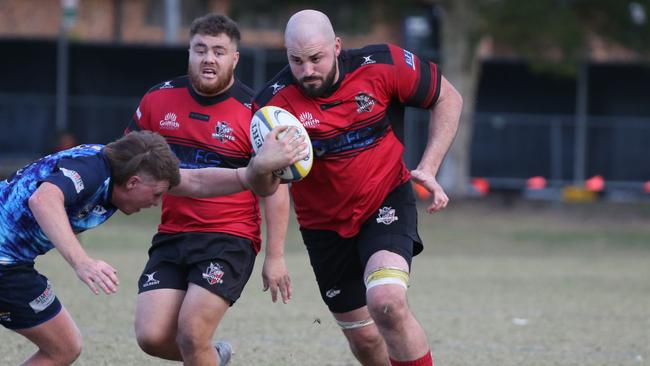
(362,238)
(204,251)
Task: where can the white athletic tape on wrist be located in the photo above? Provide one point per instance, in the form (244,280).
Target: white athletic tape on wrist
(355,325)
(387,276)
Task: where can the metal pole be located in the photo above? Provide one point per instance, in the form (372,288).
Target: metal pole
(62,72)
(556,150)
(580,151)
(172,20)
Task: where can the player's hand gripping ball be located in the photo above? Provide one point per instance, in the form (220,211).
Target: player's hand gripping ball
(264,120)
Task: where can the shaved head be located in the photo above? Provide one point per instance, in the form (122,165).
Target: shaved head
(308,27)
(312,51)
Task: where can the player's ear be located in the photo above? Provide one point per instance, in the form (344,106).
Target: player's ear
(337,46)
(235,59)
(132,181)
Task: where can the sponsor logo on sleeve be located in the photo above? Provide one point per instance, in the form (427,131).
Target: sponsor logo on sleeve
(5,316)
(409,59)
(74,177)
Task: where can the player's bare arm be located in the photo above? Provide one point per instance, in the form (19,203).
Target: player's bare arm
(47,205)
(275,276)
(443,124)
(276,153)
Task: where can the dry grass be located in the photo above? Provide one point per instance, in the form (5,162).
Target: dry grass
(518,285)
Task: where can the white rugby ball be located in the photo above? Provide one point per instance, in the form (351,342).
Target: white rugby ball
(264,120)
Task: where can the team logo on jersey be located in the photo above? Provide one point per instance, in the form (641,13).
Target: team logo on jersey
(43,300)
(74,177)
(386,215)
(151,281)
(166,85)
(213,274)
(169,123)
(367,60)
(5,316)
(332,292)
(409,59)
(223,132)
(364,102)
(308,120)
(277,87)
(99,210)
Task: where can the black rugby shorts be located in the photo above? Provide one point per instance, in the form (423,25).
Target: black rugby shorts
(218,262)
(339,263)
(27,298)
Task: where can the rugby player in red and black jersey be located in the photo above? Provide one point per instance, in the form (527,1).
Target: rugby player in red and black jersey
(205,248)
(361,239)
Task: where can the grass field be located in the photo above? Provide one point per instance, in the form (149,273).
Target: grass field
(519,285)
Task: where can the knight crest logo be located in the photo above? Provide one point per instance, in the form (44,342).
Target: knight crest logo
(223,132)
(386,215)
(364,102)
(213,274)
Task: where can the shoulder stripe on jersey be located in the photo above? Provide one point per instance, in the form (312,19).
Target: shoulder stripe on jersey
(419,98)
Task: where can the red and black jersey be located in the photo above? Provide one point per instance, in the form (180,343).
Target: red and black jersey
(204,132)
(358,158)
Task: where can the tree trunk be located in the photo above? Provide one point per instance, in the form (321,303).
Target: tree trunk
(460,65)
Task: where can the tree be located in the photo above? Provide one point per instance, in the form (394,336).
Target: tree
(554,35)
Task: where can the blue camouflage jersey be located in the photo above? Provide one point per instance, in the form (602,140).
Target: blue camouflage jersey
(84,176)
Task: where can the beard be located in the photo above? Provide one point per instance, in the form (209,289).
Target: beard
(314,91)
(212,87)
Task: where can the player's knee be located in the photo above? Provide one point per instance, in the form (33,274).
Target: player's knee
(364,341)
(67,353)
(189,342)
(149,343)
(387,306)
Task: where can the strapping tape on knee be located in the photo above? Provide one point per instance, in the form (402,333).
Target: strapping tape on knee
(387,275)
(355,325)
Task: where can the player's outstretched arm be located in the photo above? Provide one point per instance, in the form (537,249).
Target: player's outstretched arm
(47,205)
(274,154)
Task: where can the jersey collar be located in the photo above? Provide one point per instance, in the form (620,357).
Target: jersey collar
(206,101)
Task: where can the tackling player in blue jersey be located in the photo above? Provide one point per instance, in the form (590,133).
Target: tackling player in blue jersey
(44,204)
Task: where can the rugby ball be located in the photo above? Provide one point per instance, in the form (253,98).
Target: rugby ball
(264,120)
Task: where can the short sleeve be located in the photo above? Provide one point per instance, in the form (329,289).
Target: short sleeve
(417,82)
(78,178)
